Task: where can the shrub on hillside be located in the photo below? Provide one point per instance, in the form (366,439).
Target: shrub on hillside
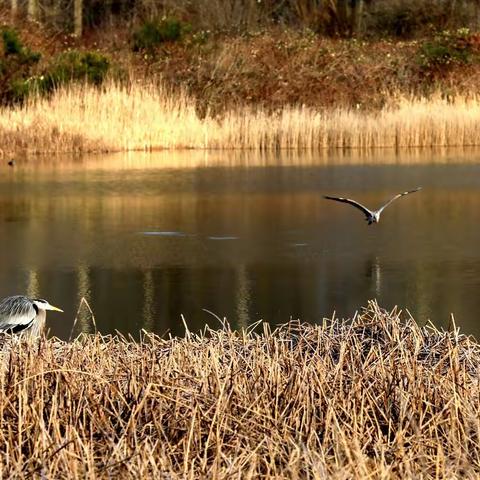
(448,49)
(91,67)
(11,43)
(153,33)
(16,66)
(19,76)
(416,18)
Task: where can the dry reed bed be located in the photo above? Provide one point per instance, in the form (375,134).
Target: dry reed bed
(378,397)
(148,117)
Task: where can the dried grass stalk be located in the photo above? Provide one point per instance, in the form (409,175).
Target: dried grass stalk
(148,117)
(377,397)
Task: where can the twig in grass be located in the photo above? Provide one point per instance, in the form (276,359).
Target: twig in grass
(83,301)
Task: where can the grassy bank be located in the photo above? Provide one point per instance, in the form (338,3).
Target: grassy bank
(148,117)
(271,86)
(378,397)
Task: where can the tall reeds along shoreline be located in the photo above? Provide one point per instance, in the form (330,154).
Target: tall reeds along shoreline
(148,117)
(375,397)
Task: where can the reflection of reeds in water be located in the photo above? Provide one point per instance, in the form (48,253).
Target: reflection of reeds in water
(242,294)
(373,398)
(148,117)
(148,313)
(84,316)
(187,159)
(32,283)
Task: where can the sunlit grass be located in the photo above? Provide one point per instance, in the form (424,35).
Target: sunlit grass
(85,119)
(378,397)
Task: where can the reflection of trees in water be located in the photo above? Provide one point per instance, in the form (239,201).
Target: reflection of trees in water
(172,291)
(154,298)
(373,271)
(419,283)
(84,316)
(148,312)
(138,281)
(32,283)
(242,294)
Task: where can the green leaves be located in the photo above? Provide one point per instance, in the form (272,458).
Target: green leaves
(151,34)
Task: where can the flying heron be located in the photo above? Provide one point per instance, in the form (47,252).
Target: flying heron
(20,314)
(372,216)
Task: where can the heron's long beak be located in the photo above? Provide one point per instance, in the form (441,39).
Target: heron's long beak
(55,309)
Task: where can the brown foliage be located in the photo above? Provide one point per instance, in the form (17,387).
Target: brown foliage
(377,396)
(269,67)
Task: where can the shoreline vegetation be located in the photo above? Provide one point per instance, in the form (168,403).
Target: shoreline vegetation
(374,397)
(147,117)
(263,76)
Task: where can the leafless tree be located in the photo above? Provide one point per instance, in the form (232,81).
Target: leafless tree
(32,9)
(78,17)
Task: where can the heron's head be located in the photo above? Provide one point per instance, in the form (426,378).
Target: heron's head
(44,305)
(373,218)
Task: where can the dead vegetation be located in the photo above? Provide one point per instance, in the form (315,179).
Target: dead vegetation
(276,88)
(376,397)
(150,117)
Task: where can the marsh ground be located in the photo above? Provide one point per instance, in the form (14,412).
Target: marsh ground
(378,397)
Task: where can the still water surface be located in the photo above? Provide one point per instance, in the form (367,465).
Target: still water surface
(146,238)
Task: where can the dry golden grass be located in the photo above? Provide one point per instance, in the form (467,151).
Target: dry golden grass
(378,397)
(85,119)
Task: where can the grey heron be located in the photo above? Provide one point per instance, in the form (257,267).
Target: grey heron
(20,314)
(372,216)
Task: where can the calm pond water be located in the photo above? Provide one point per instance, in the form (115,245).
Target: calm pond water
(147,238)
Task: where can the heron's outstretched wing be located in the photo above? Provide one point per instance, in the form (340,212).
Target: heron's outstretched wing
(365,210)
(16,314)
(397,196)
